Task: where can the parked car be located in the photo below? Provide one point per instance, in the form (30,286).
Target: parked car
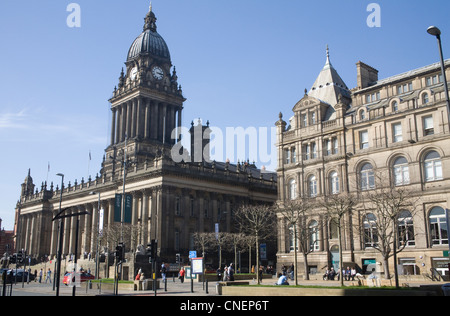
(83,277)
(20,274)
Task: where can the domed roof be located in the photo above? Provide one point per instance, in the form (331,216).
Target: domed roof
(149,42)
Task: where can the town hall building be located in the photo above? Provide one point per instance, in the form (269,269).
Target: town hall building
(165,200)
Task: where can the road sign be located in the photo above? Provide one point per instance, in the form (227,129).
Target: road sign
(197,265)
(192,254)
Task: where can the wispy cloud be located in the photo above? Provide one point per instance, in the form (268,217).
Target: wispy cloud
(14,120)
(34,124)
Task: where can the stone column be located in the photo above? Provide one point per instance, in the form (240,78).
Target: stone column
(113,126)
(118,125)
(147,119)
(86,244)
(129,121)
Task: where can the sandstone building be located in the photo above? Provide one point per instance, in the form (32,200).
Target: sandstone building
(169,201)
(338,139)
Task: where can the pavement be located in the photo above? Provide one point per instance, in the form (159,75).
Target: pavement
(174,288)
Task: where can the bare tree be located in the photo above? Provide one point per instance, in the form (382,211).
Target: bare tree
(237,242)
(218,240)
(383,207)
(248,242)
(295,213)
(203,240)
(256,220)
(337,206)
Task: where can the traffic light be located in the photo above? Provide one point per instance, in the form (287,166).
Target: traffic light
(151,248)
(120,252)
(177,258)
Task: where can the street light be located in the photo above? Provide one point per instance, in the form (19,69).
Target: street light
(60,239)
(435,31)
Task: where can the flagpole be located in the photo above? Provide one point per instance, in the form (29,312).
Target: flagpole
(89,164)
(48,170)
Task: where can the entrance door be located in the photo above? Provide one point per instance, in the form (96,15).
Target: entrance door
(335,257)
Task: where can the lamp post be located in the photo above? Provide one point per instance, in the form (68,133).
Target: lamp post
(60,239)
(433,30)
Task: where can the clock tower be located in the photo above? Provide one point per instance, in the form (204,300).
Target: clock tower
(147,103)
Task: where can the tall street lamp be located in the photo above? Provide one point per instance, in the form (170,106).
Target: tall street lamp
(433,30)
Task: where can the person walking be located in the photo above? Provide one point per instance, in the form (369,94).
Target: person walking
(231,272)
(163,272)
(40,276)
(181,275)
(49,276)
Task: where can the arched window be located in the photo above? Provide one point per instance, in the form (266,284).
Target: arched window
(401,171)
(312,186)
(334,228)
(394,106)
(292,189)
(367,177)
(406,229)
(334,183)
(438,226)
(370,230)
(313,235)
(425,98)
(432,167)
(362,115)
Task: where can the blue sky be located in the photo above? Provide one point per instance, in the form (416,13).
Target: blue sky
(239,63)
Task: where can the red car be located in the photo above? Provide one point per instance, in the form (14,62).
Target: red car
(83,277)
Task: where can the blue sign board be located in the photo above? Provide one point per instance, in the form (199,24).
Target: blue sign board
(192,254)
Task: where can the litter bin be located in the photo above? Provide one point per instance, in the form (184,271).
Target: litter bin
(446,289)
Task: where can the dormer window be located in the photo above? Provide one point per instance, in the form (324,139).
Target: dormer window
(362,115)
(373,97)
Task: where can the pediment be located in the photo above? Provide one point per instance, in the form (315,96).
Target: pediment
(306,102)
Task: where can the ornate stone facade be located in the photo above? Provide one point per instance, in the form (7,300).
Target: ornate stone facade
(337,141)
(170,201)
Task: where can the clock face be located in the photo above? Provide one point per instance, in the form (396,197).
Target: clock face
(158,73)
(133,73)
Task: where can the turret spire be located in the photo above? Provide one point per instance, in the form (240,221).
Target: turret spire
(150,20)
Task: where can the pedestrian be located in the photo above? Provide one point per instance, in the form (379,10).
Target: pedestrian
(225,274)
(347,274)
(219,274)
(40,276)
(231,272)
(282,280)
(163,272)
(353,273)
(35,275)
(332,274)
(49,276)
(181,275)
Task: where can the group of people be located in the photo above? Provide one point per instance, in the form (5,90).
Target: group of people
(227,274)
(348,274)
